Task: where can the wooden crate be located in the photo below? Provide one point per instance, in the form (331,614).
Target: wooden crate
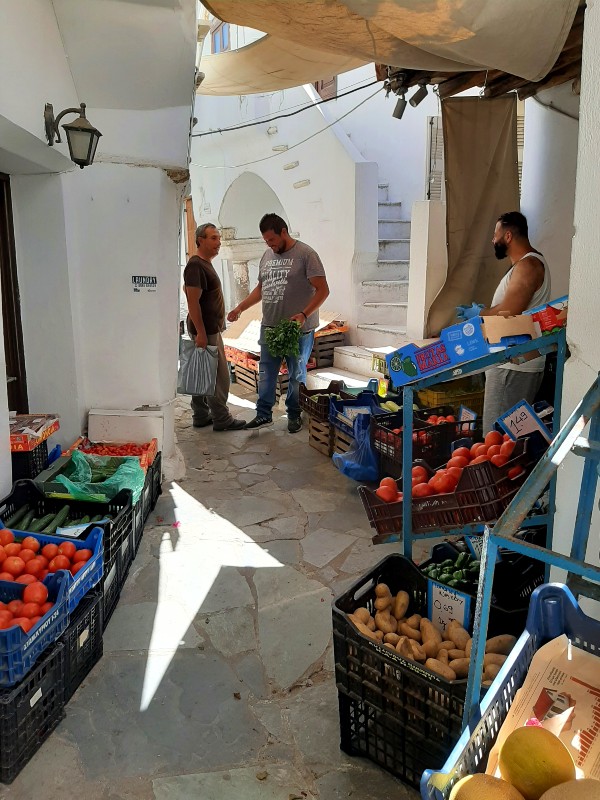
(320,436)
(246,377)
(324,346)
(342,442)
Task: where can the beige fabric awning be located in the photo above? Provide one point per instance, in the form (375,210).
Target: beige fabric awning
(520,37)
(269,65)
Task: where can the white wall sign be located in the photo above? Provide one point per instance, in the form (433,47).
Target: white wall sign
(445,604)
(144,283)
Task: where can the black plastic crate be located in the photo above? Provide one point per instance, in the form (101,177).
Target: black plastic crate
(115,530)
(316,401)
(384,739)
(427,707)
(30,463)
(83,641)
(111,589)
(155,472)
(30,711)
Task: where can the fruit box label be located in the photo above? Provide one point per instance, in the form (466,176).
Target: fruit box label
(445,604)
(410,363)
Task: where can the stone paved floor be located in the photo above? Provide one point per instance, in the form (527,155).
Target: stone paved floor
(217,678)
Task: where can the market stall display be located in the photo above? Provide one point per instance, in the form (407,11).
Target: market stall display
(29,435)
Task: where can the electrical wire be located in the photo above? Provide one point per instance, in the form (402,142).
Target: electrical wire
(282,152)
(264,121)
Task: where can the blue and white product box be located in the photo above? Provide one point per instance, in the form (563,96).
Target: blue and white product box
(481,336)
(410,362)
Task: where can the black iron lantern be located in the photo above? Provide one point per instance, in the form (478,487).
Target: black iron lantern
(82,137)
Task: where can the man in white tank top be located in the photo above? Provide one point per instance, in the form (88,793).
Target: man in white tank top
(525,285)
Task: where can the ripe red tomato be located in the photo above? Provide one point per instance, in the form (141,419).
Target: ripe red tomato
(432,419)
(6,621)
(384,482)
(498,461)
(507,448)
(68,549)
(457,462)
(515,472)
(6,614)
(85,555)
(59,562)
(506,438)
(6,536)
(12,549)
(26,555)
(45,607)
(420,474)
(479,460)
(43,561)
(30,610)
(493,437)
(15,607)
(77,565)
(387,494)
(6,576)
(35,593)
(450,418)
(26,578)
(31,543)
(422,490)
(462,452)
(2,553)
(24,622)
(34,567)
(454,473)
(442,421)
(478,450)
(14,565)
(49,551)
(494,450)
(442,484)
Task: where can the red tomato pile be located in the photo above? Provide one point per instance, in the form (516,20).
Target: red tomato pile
(28,611)
(28,561)
(126,449)
(495,448)
(435,420)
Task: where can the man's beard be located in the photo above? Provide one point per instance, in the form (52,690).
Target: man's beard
(500,250)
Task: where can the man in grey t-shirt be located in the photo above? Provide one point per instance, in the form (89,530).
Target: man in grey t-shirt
(291,285)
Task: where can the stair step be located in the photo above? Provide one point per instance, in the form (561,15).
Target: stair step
(392,269)
(385,305)
(389,210)
(394,228)
(394,249)
(377,335)
(375,291)
(384,313)
(383,192)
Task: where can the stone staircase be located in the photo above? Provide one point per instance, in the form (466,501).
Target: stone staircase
(384,294)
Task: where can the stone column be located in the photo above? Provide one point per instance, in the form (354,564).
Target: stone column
(241,281)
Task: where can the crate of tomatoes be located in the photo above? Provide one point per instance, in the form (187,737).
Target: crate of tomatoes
(146,452)
(434,431)
(476,485)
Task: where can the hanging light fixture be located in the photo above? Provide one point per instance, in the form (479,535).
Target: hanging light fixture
(419,95)
(399,107)
(82,137)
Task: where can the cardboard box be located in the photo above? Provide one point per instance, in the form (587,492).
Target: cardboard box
(551,317)
(480,336)
(27,431)
(411,362)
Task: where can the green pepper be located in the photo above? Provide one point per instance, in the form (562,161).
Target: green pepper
(447,563)
(454,584)
(458,575)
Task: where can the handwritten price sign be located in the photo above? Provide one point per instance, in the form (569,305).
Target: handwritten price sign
(445,604)
(521,420)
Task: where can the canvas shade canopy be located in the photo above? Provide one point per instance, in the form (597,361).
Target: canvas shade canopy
(436,36)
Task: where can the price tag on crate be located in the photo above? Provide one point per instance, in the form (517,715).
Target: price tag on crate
(445,604)
(521,420)
(466,415)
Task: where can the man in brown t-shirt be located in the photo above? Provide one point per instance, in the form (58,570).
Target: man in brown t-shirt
(206,320)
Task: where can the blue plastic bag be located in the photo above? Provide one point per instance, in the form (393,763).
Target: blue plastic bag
(361,462)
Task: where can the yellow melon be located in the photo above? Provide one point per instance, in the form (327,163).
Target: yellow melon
(585,789)
(478,787)
(534,760)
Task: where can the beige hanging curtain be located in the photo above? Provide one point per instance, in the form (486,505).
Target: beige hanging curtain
(521,37)
(482,182)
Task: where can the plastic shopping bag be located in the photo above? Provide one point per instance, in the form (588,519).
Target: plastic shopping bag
(360,463)
(197,369)
(100,478)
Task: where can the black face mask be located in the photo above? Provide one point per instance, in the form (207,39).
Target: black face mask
(500,249)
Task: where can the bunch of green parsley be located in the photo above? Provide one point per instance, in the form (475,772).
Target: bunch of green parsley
(284,338)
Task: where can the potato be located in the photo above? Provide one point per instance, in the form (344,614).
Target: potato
(383,603)
(405,629)
(429,633)
(400,606)
(417,650)
(378,636)
(363,628)
(447,645)
(404,649)
(431,648)
(385,622)
(493,658)
(468,648)
(441,669)
(371,624)
(414,621)
(391,638)
(442,656)
(389,646)
(460,666)
(363,614)
(486,683)
(491,671)
(382,590)
(458,634)
(454,654)
(500,644)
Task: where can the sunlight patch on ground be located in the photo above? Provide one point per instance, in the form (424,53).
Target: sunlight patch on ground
(192,552)
(232,400)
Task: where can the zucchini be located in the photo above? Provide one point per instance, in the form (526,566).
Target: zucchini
(84,520)
(97,518)
(58,520)
(27,520)
(17,516)
(39,524)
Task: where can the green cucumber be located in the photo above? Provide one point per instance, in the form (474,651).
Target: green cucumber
(58,520)
(11,522)
(84,520)
(27,520)
(39,524)
(97,518)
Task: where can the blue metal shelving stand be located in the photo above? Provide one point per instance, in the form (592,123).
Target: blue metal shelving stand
(582,578)
(555,343)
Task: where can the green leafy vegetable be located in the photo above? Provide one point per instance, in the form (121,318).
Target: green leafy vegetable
(284,338)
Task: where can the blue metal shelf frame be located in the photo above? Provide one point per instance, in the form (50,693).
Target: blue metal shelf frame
(582,577)
(556,342)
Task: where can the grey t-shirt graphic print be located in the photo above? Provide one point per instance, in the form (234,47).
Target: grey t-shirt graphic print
(286,288)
